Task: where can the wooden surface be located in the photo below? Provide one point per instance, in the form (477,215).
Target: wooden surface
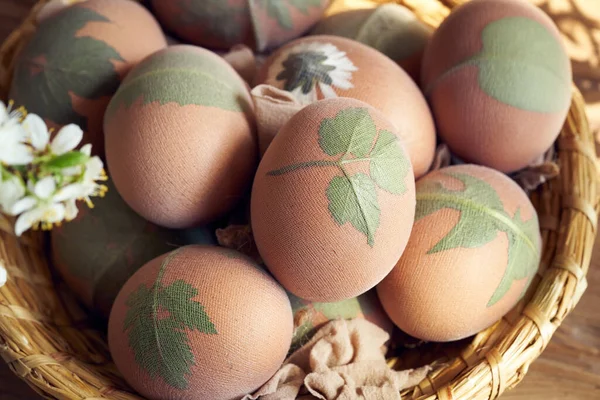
(569,369)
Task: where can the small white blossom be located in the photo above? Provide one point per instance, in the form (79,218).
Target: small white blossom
(308,68)
(13,149)
(11,191)
(57,174)
(67,139)
(3,276)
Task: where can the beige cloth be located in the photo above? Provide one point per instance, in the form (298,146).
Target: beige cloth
(274,107)
(345,360)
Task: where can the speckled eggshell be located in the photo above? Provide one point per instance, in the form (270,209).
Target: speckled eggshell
(180,141)
(98,251)
(225,23)
(319,67)
(309,317)
(475,264)
(77,58)
(391,28)
(201,322)
(333,201)
(498,79)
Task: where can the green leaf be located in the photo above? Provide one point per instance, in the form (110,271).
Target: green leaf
(178,299)
(70,159)
(389,164)
(219,19)
(183,77)
(521,262)
(157,322)
(351,131)
(58,62)
(278,10)
(522,64)
(354,200)
(482,217)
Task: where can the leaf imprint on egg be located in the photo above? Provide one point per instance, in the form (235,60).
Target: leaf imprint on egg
(279,10)
(482,217)
(158,320)
(60,62)
(352,137)
(522,64)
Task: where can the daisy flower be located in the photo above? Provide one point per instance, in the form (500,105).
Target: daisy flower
(313,71)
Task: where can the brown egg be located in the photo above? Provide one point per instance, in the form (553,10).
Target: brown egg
(473,252)
(333,201)
(319,67)
(98,251)
(391,28)
(77,58)
(200,323)
(225,23)
(180,142)
(498,80)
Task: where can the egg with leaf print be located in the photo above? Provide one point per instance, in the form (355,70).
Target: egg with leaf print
(200,322)
(333,201)
(327,67)
(222,24)
(498,79)
(181,127)
(461,277)
(76,60)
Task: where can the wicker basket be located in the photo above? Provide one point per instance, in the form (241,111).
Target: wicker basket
(45,339)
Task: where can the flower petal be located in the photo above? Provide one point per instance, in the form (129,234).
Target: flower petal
(71,210)
(70,192)
(27,220)
(3,276)
(11,191)
(71,171)
(86,149)
(94,168)
(55,213)
(3,113)
(67,139)
(17,154)
(37,131)
(45,188)
(25,204)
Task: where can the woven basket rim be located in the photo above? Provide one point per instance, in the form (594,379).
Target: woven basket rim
(46,342)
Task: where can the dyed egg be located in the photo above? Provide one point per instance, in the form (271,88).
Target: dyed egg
(333,201)
(499,82)
(200,323)
(461,277)
(100,249)
(319,67)
(310,317)
(76,60)
(180,142)
(223,24)
(390,28)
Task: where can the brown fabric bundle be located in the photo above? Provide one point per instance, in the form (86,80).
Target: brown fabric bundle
(344,360)
(274,107)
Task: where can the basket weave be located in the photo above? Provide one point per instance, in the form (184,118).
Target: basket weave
(46,341)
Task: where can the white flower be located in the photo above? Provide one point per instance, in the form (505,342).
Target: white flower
(44,207)
(11,191)
(307,67)
(88,186)
(67,139)
(13,149)
(3,275)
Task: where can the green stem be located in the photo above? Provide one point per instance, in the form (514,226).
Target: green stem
(318,163)
(302,165)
